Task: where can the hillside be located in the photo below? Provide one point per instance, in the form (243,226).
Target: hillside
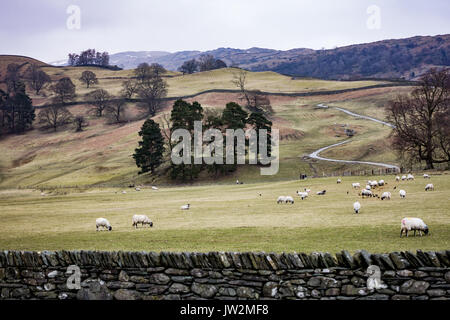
(400,58)
(5,60)
(101,154)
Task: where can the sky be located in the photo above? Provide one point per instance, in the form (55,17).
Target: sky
(49,29)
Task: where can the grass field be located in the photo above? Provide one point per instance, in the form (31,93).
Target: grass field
(227,217)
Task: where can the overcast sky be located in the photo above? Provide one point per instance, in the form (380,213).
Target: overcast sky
(38,28)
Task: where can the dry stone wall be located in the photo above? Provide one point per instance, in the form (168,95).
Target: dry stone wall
(223,275)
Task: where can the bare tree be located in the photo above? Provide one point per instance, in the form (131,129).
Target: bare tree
(129,88)
(37,78)
(64,91)
(54,116)
(152,91)
(80,122)
(100,99)
(88,77)
(419,119)
(240,81)
(116,110)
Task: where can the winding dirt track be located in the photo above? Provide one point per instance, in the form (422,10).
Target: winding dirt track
(315,154)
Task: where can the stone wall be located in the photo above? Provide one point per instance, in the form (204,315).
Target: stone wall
(223,275)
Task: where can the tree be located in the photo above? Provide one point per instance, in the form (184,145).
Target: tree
(234,117)
(54,116)
(64,91)
(143,72)
(89,57)
(189,67)
(37,78)
(157,69)
(258,121)
(208,62)
(18,111)
(89,77)
(420,119)
(12,77)
(100,99)
(152,91)
(259,102)
(149,155)
(116,110)
(129,88)
(80,122)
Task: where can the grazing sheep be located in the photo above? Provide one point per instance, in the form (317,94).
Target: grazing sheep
(356,206)
(138,189)
(321,193)
(124,192)
(366,193)
(142,219)
(429,187)
(410,177)
(381,183)
(303,195)
(281,199)
(339,181)
(103,223)
(356,185)
(307,190)
(386,195)
(373,183)
(368,187)
(155,188)
(186,207)
(402,194)
(403,178)
(397,178)
(289,199)
(426,176)
(413,224)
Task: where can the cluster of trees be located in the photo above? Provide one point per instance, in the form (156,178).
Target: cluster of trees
(422,120)
(89,57)
(206,62)
(16,108)
(157,145)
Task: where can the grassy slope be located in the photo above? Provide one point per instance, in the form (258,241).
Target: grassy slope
(237,220)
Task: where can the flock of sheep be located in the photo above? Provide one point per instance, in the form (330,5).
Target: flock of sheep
(407,224)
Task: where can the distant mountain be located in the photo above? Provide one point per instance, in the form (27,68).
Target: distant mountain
(402,58)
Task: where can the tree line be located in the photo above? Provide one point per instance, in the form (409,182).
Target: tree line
(89,57)
(206,62)
(157,145)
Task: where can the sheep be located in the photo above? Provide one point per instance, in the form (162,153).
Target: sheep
(124,192)
(104,223)
(429,187)
(321,193)
(366,193)
(138,189)
(368,187)
(410,177)
(414,224)
(403,178)
(186,207)
(381,183)
(356,185)
(281,199)
(373,183)
(307,190)
(155,188)
(402,193)
(338,181)
(426,176)
(142,219)
(289,199)
(397,178)
(386,195)
(356,206)
(303,195)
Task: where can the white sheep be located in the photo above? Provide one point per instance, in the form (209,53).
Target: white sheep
(403,178)
(289,199)
(426,176)
(124,192)
(381,183)
(357,207)
(368,187)
(186,207)
(142,219)
(303,195)
(321,193)
(307,190)
(373,183)
(402,194)
(104,223)
(356,185)
(410,177)
(154,188)
(281,199)
(429,187)
(397,178)
(386,195)
(414,224)
(338,181)
(138,189)
(366,193)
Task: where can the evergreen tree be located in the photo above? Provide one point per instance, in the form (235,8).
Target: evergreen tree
(258,121)
(149,155)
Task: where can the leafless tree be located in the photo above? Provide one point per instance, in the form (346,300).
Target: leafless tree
(89,78)
(255,100)
(420,119)
(116,110)
(64,91)
(152,91)
(129,88)
(100,99)
(80,122)
(54,116)
(37,78)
